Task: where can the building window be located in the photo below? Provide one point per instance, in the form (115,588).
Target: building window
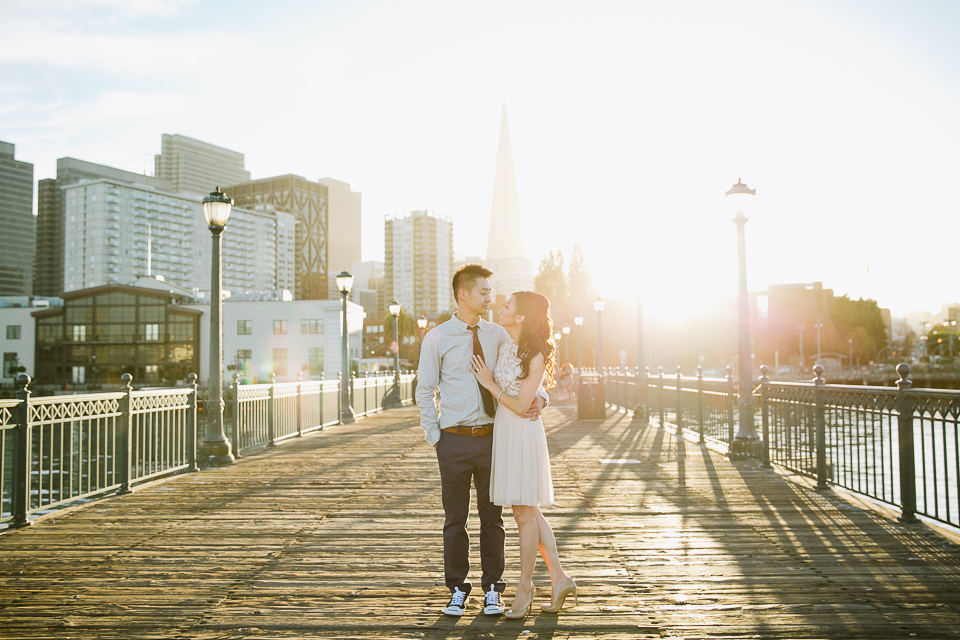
(244,362)
(311,326)
(244,327)
(79,375)
(13,332)
(279,327)
(79,333)
(151,332)
(11,365)
(316,361)
(280,360)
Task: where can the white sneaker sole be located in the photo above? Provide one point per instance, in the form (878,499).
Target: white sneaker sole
(453,611)
(493,611)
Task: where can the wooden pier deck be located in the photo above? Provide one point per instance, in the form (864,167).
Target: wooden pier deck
(337,535)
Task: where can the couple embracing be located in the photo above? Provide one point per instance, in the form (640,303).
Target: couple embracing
(487,431)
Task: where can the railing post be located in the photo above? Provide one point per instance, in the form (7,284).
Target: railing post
(20,498)
(700,401)
(272,411)
(908,473)
(821,426)
(730,401)
(236,422)
(299,400)
(663,412)
(125,426)
(192,424)
(764,416)
(679,402)
(645,396)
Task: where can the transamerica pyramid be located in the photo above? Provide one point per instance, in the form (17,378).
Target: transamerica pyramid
(506,256)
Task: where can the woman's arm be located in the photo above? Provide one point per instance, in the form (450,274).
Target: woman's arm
(528,387)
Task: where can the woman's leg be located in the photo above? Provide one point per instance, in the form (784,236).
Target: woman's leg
(529,532)
(548,549)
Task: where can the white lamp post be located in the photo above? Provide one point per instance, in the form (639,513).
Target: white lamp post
(818,326)
(566,336)
(215,449)
(394,308)
(344,285)
(599,304)
(746,442)
(578,320)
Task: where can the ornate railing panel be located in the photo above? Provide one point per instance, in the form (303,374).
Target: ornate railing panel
(937,447)
(8,426)
(163,432)
(792,426)
(251,416)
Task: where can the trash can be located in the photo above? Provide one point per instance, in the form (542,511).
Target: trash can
(591,400)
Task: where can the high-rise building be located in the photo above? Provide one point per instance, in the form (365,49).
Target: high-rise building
(418,262)
(193,166)
(323,221)
(16,220)
(343,229)
(116,232)
(48,278)
(506,256)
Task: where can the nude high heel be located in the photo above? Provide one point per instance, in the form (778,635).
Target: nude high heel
(568,587)
(516,615)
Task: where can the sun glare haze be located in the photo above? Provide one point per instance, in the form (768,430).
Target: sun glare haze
(629,122)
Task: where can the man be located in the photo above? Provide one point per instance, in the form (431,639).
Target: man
(461,431)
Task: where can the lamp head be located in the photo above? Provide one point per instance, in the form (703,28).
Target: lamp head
(599,304)
(394,308)
(578,320)
(557,335)
(738,195)
(344,282)
(422,322)
(566,329)
(216,209)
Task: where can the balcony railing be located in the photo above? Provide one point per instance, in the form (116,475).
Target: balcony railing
(58,451)
(900,446)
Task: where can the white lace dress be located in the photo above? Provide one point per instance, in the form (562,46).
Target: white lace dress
(520,469)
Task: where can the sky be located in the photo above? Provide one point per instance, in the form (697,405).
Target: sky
(629,121)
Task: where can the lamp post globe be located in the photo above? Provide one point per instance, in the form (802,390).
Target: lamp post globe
(215,449)
(394,309)
(344,285)
(746,443)
(578,320)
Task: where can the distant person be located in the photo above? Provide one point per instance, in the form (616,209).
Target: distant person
(566,380)
(460,428)
(520,471)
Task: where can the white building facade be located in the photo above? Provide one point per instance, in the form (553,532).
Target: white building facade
(18,339)
(116,232)
(300,337)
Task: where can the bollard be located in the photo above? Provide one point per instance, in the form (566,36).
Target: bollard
(908,474)
(765,418)
(20,497)
(125,429)
(821,428)
(192,424)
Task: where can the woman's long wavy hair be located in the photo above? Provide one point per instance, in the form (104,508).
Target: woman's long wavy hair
(536,334)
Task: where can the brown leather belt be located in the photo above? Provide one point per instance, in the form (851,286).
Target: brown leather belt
(476,432)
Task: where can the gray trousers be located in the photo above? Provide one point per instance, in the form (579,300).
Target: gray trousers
(462,459)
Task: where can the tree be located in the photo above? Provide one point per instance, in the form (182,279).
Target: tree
(551,280)
(861,321)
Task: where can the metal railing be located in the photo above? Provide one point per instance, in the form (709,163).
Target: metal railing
(900,446)
(61,450)
(64,449)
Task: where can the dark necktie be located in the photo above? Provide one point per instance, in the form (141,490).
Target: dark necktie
(485,394)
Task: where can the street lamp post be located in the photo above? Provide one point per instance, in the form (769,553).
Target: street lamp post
(215,449)
(599,304)
(566,337)
(950,339)
(800,328)
(578,320)
(640,409)
(345,284)
(746,442)
(818,326)
(394,308)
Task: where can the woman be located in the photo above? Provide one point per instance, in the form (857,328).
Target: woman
(520,469)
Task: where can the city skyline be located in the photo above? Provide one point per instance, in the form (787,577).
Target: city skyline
(625,136)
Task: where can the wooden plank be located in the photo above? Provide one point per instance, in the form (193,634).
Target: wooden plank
(337,534)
